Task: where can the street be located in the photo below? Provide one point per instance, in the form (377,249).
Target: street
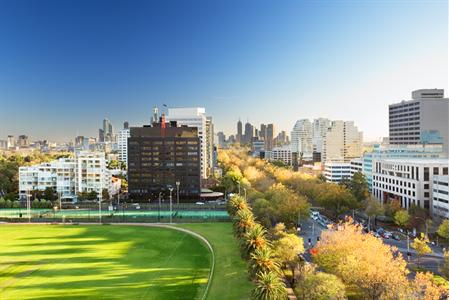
(311,230)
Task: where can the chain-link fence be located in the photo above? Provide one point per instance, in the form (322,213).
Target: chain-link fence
(126,213)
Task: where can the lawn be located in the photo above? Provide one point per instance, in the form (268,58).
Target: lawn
(106,262)
(230,280)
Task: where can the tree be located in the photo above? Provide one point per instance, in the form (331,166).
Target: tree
(50,194)
(263,211)
(443,229)
(262,260)
(320,286)
(423,287)
(337,199)
(359,186)
(362,261)
(105,195)
(269,286)
(444,268)
(372,209)
(254,239)
(402,218)
(244,220)
(287,250)
(421,246)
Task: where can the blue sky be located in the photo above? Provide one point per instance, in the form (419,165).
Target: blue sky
(65,65)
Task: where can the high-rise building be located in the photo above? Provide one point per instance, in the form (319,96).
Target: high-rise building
(107,133)
(422,120)
(221,139)
(11,142)
(209,146)
(319,129)
(3,144)
(122,145)
(263,131)
(269,137)
(239,135)
(249,133)
(302,139)
(342,142)
(195,117)
(155,115)
(159,157)
(22,141)
(126,125)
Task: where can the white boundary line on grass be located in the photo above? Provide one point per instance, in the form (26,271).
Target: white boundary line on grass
(161,225)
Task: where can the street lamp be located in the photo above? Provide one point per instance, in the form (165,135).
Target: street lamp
(159,210)
(171,190)
(238,183)
(99,207)
(244,189)
(29,206)
(177,192)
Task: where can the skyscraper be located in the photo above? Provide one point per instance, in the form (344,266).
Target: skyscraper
(263,131)
(239,136)
(269,137)
(249,132)
(155,115)
(107,133)
(221,139)
(319,129)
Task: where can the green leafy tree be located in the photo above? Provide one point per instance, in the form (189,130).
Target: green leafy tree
(320,286)
(421,246)
(336,199)
(287,250)
(359,186)
(50,194)
(372,210)
(444,268)
(402,218)
(443,229)
(262,209)
(105,195)
(269,286)
(263,260)
(254,238)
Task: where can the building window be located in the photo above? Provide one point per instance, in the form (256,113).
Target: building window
(435,171)
(426,174)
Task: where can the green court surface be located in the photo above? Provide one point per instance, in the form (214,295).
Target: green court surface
(101,262)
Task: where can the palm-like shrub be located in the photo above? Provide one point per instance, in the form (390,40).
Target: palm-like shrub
(254,238)
(243,221)
(262,260)
(269,286)
(235,204)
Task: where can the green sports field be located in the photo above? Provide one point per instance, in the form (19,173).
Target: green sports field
(101,262)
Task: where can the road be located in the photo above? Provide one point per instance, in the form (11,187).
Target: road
(311,229)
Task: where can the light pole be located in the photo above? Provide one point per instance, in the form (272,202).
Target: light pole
(244,189)
(99,207)
(60,200)
(171,190)
(159,210)
(177,192)
(29,206)
(238,183)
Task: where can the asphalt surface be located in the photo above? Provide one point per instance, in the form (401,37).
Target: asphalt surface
(311,230)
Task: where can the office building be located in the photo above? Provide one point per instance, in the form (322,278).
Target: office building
(11,141)
(263,132)
(249,133)
(342,142)
(356,166)
(3,144)
(282,153)
(209,146)
(258,148)
(440,196)
(221,139)
(337,171)
(196,117)
(106,134)
(319,129)
(239,135)
(422,120)
(155,115)
(269,137)
(301,136)
(23,142)
(159,157)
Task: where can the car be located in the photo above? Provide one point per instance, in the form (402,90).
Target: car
(386,235)
(199,203)
(376,234)
(315,215)
(396,237)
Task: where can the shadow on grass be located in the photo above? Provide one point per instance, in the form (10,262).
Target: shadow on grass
(101,262)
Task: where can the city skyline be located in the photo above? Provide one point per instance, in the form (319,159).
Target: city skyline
(264,62)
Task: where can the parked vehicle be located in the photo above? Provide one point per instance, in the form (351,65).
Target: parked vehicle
(314,215)
(199,203)
(396,237)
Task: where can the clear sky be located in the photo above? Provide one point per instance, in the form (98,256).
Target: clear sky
(67,64)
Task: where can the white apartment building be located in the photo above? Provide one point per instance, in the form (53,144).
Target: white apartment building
(68,176)
(337,171)
(342,142)
(195,117)
(440,196)
(408,181)
(301,137)
(209,146)
(122,145)
(319,128)
(283,153)
(58,174)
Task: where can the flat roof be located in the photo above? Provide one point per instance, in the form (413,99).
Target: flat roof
(411,160)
